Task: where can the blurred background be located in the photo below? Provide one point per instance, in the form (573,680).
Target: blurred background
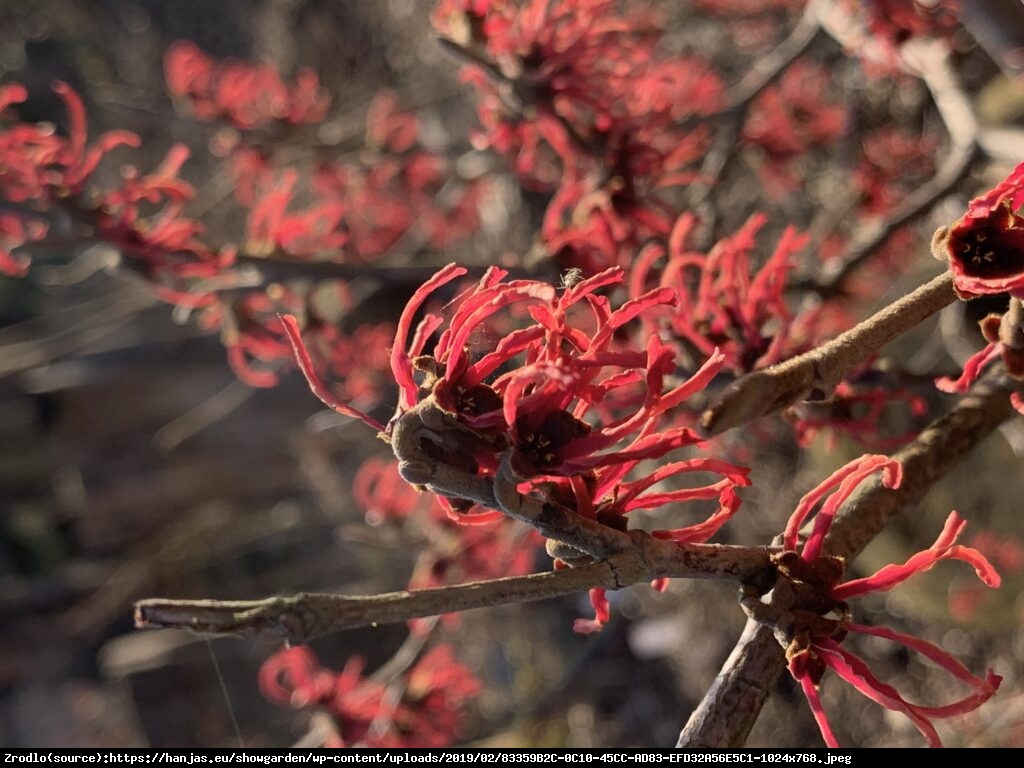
(134,464)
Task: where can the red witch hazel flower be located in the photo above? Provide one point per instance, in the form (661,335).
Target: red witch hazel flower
(366,711)
(569,396)
(563,407)
(40,167)
(724,303)
(248,95)
(809,613)
(532,390)
(985,248)
(985,251)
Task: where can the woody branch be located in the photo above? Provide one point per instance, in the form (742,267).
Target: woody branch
(308,615)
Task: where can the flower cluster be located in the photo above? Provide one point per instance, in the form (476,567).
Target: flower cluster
(142,216)
(362,207)
(516,398)
(579,99)
(423,707)
(359,210)
(574,406)
(563,406)
(816,618)
(571,407)
(246,95)
(790,119)
(724,301)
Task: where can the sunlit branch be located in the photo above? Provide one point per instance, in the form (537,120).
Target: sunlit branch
(815,374)
(308,615)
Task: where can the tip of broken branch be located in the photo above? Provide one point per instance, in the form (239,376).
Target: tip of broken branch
(205,616)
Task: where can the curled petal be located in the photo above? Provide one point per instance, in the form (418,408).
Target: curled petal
(854,671)
(647,447)
(12,93)
(983,689)
(602,611)
(813,700)
(1010,189)
(510,346)
(694,534)
(634,307)
(486,303)
(943,549)
(586,287)
(695,383)
(485,517)
(401,365)
(244,370)
(294,676)
(972,370)
(424,330)
(76,117)
(858,469)
(732,474)
(316,384)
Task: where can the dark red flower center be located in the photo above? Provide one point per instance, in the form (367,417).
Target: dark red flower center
(542,445)
(990,249)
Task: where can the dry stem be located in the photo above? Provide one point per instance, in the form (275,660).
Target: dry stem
(308,615)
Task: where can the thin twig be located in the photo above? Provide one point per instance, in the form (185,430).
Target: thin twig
(308,615)
(738,99)
(815,374)
(391,674)
(929,60)
(196,419)
(731,705)
(769,68)
(120,309)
